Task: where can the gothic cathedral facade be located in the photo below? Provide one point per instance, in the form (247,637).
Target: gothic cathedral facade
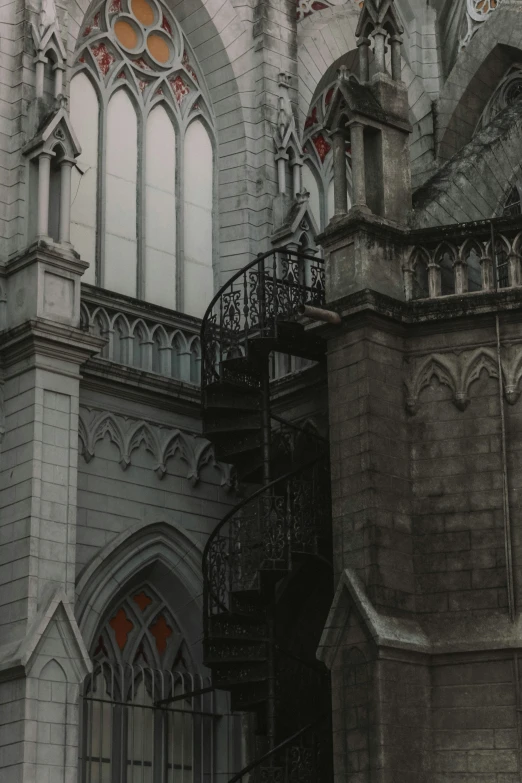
(259,473)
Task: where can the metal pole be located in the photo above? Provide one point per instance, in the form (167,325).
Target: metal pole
(271,701)
(265,421)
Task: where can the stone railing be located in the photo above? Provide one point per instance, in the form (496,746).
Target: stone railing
(143,336)
(463,258)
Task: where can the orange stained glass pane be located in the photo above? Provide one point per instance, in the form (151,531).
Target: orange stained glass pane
(126,34)
(158,48)
(122,626)
(161,632)
(143,600)
(143,11)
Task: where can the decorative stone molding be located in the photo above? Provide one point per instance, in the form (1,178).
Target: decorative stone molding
(457,371)
(130,434)
(307,7)
(477,11)
(49,46)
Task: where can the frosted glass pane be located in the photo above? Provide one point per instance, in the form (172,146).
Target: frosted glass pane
(198,181)
(84,110)
(160,209)
(310,184)
(120,215)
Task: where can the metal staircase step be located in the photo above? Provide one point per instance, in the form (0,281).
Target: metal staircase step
(249,696)
(227,395)
(230,675)
(220,651)
(237,626)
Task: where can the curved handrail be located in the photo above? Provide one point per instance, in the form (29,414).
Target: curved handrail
(253,301)
(270,753)
(238,507)
(260,257)
(308,433)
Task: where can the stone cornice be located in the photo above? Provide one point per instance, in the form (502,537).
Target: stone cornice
(141,387)
(37,339)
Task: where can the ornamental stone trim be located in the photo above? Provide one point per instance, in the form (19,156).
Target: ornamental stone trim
(459,370)
(163,443)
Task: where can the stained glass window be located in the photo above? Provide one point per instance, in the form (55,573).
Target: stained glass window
(143,194)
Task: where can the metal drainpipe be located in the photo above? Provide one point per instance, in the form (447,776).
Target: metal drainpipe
(505,478)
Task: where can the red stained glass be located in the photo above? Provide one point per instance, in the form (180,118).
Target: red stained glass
(329,96)
(322,146)
(166,26)
(122,626)
(179,87)
(103,57)
(186,62)
(100,648)
(142,64)
(161,632)
(115,7)
(312,118)
(143,600)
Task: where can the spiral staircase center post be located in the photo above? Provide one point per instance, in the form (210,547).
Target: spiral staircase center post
(265,420)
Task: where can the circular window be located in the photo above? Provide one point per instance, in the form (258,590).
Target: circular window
(158,47)
(144,12)
(126,34)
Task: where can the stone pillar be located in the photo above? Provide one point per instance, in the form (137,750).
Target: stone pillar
(379,36)
(340,182)
(41,650)
(44,178)
(65,201)
(363,45)
(358,166)
(396,67)
(58,70)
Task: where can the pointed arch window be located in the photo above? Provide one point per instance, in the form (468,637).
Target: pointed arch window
(318,161)
(142,207)
(130,732)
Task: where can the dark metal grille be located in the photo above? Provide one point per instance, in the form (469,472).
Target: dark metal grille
(132,735)
(268,290)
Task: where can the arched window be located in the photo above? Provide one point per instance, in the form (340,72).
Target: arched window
(318,162)
(148,715)
(143,190)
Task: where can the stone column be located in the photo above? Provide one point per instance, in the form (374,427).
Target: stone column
(363,45)
(44,178)
(379,36)
(396,66)
(358,166)
(41,652)
(340,182)
(65,201)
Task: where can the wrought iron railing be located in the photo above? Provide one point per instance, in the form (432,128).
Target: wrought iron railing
(146,724)
(252,303)
(286,517)
(463,258)
(295,760)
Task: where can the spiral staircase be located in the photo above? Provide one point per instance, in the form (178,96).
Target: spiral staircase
(275,542)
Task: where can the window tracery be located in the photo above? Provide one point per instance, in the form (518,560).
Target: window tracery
(135,216)
(318,161)
(132,728)
(477,11)
(507,93)
(307,7)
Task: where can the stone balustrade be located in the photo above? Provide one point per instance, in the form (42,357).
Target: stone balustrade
(463,258)
(143,336)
